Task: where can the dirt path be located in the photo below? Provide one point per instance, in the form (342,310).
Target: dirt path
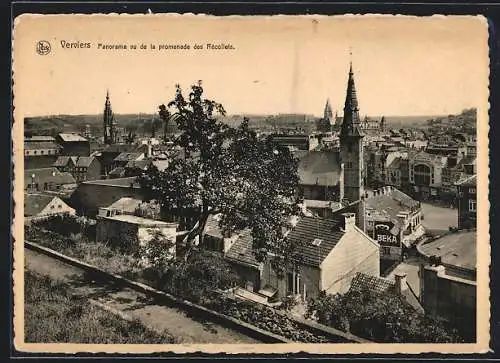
(186,329)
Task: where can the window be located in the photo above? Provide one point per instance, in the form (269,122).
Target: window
(386,251)
(42,152)
(472,190)
(422,175)
(472,205)
(289,278)
(34,152)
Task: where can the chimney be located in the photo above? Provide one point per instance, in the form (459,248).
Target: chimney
(348,221)
(401,284)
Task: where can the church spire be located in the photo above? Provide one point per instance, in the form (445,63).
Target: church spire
(351,123)
(328,113)
(108,121)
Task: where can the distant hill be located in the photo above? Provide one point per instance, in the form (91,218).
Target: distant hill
(141,123)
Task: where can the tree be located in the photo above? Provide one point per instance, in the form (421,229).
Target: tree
(379,317)
(251,182)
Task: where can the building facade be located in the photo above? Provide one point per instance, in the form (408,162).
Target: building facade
(467,202)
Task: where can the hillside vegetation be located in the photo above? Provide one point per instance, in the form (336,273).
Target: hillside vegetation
(53,315)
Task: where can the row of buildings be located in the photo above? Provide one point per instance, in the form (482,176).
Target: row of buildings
(347,233)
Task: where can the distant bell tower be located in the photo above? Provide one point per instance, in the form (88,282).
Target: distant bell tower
(109,124)
(351,144)
(328,113)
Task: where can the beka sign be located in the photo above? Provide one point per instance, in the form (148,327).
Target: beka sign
(384,236)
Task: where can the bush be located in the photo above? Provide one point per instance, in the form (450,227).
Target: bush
(386,318)
(67,224)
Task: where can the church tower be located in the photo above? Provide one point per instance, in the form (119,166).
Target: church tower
(325,124)
(351,144)
(328,113)
(109,124)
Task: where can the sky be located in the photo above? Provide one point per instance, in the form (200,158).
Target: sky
(402,65)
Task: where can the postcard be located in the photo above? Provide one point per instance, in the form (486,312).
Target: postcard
(251,184)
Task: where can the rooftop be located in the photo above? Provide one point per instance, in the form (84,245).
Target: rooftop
(455,249)
(139,164)
(35,203)
(47,175)
(382,286)
(126,204)
(62,161)
(70,137)
(118,182)
(128,156)
(119,172)
(242,250)
(390,202)
(319,168)
(309,229)
(84,161)
(39,138)
(40,145)
(126,218)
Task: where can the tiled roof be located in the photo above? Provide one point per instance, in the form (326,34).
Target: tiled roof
(48,175)
(382,286)
(40,145)
(307,230)
(35,203)
(433,158)
(212,226)
(457,249)
(128,156)
(242,251)
(66,137)
(319,168)
(376,284)
(61,161)
(391,203)
(84,161)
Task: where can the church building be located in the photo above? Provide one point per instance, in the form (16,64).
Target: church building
(336,175)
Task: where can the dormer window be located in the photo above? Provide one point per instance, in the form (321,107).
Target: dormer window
(316,242)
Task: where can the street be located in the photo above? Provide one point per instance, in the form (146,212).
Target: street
(438,218)
(185,328)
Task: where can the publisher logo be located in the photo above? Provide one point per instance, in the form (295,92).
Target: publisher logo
(43,47)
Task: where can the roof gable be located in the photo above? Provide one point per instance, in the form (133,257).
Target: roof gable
(35,203)
(315,238)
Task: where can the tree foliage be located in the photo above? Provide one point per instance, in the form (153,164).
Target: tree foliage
(250,181)
(385,318)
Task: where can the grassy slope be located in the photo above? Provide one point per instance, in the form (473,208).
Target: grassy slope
(53,315)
